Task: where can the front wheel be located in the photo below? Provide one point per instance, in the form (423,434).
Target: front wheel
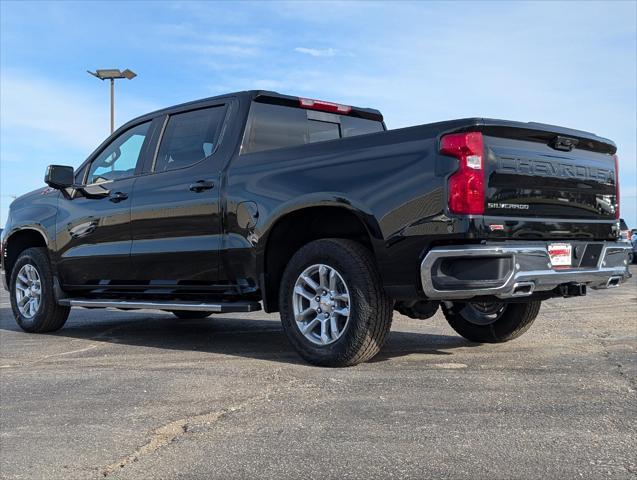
(32,299)
(333,307)
(490,322)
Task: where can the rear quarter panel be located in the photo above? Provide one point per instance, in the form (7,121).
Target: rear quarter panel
(388,179)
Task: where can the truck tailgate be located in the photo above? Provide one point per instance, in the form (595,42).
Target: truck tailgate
(543,173)
(529,174)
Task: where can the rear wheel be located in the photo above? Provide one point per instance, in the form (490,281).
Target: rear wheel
(32,298)
(333,307)
(490,322)
(190,315)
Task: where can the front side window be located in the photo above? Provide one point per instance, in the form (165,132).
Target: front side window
(189,138)
(120,157)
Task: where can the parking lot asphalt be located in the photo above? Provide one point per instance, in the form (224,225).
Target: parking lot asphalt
(146,396)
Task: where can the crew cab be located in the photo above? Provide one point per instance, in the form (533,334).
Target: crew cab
(314,209)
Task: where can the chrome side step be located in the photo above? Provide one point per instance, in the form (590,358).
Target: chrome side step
(219,307)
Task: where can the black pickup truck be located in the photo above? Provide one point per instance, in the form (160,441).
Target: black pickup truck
(316,210)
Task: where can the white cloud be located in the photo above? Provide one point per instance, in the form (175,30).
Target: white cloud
(188,30)
(316,52)
(185,36)
(219,49)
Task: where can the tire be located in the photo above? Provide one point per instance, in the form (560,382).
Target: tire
(190,315)
(369,310)
(48,316)
(508,323)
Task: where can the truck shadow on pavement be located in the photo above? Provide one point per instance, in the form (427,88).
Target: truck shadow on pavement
(220,335)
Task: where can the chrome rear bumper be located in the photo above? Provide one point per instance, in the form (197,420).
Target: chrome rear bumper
(529,270)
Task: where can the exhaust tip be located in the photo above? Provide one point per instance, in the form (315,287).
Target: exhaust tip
(523,288)
(613,282)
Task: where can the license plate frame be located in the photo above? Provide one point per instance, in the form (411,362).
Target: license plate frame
(560,254)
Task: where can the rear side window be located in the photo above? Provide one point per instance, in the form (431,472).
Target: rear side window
(188,138)
(275,126)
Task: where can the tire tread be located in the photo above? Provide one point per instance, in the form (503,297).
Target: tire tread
(363,268)
(54,316)
(515,321)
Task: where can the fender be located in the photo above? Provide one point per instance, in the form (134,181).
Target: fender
(12,231)
(34,227)
(36,210)
(322,199)
(312,200)
(46,232)
(33,212)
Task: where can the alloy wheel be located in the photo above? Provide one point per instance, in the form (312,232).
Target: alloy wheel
(321,303)
(28,291)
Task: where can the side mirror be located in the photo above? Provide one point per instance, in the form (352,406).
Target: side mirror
(59,176)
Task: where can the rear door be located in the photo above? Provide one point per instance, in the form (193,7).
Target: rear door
(176,223)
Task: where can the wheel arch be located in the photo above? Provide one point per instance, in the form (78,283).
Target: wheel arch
(297,225)
(17,242)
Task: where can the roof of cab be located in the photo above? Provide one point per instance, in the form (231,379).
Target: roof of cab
(248,94)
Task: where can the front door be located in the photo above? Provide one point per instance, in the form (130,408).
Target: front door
(93,224)
(176,226)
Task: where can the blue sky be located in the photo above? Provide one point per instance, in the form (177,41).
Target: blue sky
(571,64)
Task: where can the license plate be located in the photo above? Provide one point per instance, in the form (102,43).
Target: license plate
(560,254)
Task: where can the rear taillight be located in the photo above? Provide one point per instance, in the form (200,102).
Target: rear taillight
(324,106)
(466,185)
(616,158)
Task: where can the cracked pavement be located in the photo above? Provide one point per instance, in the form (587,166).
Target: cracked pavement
(146,396)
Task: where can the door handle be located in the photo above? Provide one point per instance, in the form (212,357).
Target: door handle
(118,197)
(201,185)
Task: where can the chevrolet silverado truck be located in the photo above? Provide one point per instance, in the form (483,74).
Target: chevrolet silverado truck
(315,210)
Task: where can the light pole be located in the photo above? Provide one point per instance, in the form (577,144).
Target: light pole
(112,74)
